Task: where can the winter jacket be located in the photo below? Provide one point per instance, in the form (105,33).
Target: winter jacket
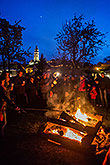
(93,94)
(5,98)
(19,89)
(82,85)
(104,83)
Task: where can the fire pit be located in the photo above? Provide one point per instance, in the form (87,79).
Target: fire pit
(75,131)
(64,132)
(88,123)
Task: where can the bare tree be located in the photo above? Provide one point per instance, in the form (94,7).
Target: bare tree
(11,43)
(107,59)
(79,40)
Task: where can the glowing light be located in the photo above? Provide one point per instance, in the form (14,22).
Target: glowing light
(81,116)
(71,135)
(55,131)
(64,132)
(56,74)
(97,68)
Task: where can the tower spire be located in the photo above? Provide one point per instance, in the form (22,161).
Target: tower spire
(36,54)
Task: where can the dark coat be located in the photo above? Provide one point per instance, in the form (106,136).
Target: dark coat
(104,83)
(19,89)
(4,97)
(31,93)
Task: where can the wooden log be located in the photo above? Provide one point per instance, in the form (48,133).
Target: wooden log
(68,118)
(68,124)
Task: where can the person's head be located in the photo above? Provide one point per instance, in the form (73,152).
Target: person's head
(32,79)
(20,73)
(65,77)
(82,77)
(44,76)
(72,78)
(96,81)
(102,75)
(94,88)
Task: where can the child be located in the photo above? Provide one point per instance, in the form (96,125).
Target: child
(93,94)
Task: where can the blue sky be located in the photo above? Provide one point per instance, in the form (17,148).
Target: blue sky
(43,19)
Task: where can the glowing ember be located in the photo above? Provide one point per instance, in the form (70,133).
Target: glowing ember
(64,132)
(55,131)
(71,135)
(81,116)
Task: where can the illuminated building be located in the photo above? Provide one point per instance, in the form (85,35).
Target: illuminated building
(36,54)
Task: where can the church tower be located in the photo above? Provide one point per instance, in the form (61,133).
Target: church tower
(36,54)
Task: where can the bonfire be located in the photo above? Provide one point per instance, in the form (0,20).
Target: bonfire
(77,130)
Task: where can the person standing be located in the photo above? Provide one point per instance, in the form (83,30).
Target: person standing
(7,82)
(103,86)
(93,94)
(19,88)
(32,93)
(45,87)
(98,101)
(82,86)
(4,102)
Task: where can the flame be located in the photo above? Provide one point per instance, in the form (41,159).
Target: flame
(55,131)
(81,116)
(71,135)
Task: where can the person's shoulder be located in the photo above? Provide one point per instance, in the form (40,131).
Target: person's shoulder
(15,77)
(106,78)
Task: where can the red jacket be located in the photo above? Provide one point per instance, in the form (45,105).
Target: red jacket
(93,94)
(82,86)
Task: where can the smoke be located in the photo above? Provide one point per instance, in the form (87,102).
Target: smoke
(67,98)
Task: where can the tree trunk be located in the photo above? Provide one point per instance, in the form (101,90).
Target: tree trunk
(8,63)
(4,68)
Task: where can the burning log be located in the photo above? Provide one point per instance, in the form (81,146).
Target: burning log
(69,118)
(68,124)
(90,137)
(87,120)
(67,136)
(69,130)
(80,126)
(63,135)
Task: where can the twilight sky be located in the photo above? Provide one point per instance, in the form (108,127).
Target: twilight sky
(43,19)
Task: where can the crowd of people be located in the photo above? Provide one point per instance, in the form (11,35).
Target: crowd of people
(25,90)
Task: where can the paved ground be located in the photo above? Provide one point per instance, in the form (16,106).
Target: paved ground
(21,145)
(33,150)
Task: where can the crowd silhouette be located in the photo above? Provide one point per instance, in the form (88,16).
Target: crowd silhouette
(47,91)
